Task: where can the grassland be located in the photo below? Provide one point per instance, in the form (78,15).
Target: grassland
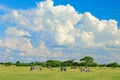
(23,73)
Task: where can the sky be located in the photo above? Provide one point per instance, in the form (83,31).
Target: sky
(39,30)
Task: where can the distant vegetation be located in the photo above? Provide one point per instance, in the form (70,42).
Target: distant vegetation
(85,61)
(51,70)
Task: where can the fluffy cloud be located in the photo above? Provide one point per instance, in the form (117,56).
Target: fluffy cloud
(1,43)
(14,32)
(59,27)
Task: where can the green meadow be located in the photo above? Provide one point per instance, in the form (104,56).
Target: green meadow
(23,73)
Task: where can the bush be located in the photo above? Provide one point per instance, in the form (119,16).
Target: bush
(114,64)
(8,64)
(53,63)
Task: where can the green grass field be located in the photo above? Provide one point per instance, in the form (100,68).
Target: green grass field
(23,73)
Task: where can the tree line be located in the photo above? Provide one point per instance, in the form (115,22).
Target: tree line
(85,61)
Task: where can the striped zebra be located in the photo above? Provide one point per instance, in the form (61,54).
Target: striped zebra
(35,68)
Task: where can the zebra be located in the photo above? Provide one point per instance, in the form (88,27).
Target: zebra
(35,68)
(85,69)
(63,69)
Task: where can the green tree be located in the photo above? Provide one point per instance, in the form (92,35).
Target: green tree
(87,61)
(94,64)
(18,63)
(82,64)
(114,64)
(32,64)
(102,65)
(75,64)
(67,63)
(41,64)
(53,63)
(8,64)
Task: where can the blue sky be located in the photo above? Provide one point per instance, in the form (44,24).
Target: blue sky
(38,30)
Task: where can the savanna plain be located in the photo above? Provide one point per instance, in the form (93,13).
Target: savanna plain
(24,73)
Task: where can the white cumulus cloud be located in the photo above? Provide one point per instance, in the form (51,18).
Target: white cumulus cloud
(59,26)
